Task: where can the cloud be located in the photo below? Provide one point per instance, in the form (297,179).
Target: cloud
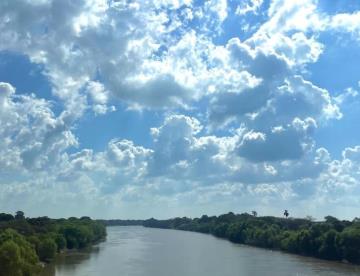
(349,94)
(352,154)
(339,184)
(278,96)
(281,143)
(346,22)
(184,164)
(288,16)
(112,40)
(239,114)
(251,6)
(219,7)
(32,136)
(173,141)
(6,91)
(99,96)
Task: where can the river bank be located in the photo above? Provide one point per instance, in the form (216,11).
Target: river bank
(139,251)
(27,244)
(332,239)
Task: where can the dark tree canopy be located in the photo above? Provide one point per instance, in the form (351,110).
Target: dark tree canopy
(20,215)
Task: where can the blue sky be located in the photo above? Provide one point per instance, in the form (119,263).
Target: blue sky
(134,109)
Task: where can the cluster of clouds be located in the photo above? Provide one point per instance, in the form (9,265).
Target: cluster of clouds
(239,116)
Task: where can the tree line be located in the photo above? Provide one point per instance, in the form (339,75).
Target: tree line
(25,242)
(331,239)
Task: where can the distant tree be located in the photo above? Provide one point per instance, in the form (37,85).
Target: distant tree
(337,224)
(204,219)
(254,213)
(6,217)
(286,213)
(310,218)
(331,219)
(19,215)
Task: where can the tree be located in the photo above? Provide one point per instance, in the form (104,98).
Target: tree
(220,230)
(310,218)
(305,242)
(47,249)
(19,215)
(286,213)
(350,244)
(10,259)
(235,232)
(17,256)
(6,217)
(254,213)
(60,242)
(329,245)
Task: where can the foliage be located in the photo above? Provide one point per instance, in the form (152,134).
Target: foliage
(17,256)
(26,241)
(47,249)
(331,239)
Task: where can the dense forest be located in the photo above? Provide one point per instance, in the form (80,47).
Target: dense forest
(331,239)
(25,242)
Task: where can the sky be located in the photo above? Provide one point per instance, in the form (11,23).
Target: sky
(164,108)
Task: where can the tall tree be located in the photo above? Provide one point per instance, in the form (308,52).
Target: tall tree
(286,213)
(20,215)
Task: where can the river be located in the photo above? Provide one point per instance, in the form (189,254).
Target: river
(139,251)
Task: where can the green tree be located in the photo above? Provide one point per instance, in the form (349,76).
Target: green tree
(235,232)
(60,241)
(220,230)
(305,242)
(47,249)
(10,259)
(329,245)
(350,244)
(6,217)
(17,256)
(20,215)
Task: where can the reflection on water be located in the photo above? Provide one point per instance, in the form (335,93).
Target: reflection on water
(138,251)
(67,264)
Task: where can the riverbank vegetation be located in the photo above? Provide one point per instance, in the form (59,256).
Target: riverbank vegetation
(331,239)
(25,242)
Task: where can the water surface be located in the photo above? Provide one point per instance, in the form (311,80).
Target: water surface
(139,251)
